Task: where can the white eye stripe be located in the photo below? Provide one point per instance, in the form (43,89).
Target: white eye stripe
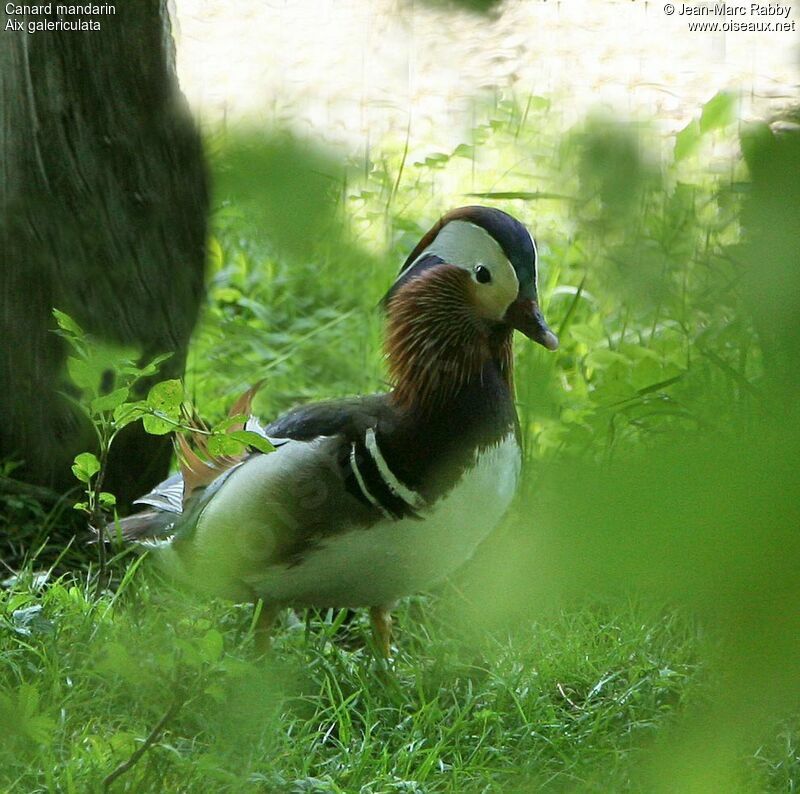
(446,246)
(466,245)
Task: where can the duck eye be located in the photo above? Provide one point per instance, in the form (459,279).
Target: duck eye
(482,274)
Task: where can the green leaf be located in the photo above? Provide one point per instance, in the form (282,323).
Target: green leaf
(116,660)
(166,397)
(645,372)
(129,412)
(719,111)
(157,426)
(251,439)
(27,700)
(66,323)
(107,499)
(229,421)
(220,444)
(215,255)
(590,335)
(601,358)
(227,295)
(35,726)
(81,373)
(687,139)
(212,645)
(538,103)
(190,653)
(86,466)
(153,366)
(39,729)
(108,402)
(122,743)
(216,692)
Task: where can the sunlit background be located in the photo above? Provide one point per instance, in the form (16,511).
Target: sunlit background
(352,71)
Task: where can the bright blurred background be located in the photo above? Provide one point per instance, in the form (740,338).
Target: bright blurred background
(353,71)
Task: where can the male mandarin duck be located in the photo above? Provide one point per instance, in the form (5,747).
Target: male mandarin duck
(369,499)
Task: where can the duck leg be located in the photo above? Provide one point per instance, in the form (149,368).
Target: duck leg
(263,629)
(381,619)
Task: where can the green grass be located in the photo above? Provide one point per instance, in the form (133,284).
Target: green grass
(569,698)
(632,626)
(565,694)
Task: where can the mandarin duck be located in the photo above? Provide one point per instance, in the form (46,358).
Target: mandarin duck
(369,499)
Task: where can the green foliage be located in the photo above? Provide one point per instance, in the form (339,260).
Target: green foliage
(719,112)
(660,444)
(20,715)
(107,380)
(296,208)
(164,402)
(86,466)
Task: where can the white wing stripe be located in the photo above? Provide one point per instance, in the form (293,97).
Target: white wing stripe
(363,486)
(400,490)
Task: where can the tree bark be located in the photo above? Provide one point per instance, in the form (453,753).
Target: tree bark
(103,211)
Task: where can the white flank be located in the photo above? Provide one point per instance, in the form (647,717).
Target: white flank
(398,557)
(231,549)
(464,244)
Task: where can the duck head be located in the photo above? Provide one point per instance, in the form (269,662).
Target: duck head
(468,283)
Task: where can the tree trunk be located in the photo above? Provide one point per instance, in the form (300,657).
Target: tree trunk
(103,206)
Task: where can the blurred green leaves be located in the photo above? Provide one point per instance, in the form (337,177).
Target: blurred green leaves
(21,717)
(612,166)
(719,112)
(288,188)
(769,256)
(671,469)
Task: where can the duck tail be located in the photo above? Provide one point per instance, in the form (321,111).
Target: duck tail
(154,524)
(148,527)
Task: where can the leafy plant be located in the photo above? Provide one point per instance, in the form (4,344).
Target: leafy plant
(107,380)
